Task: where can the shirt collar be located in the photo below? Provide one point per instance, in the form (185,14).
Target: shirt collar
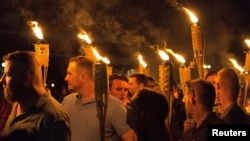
(78,97)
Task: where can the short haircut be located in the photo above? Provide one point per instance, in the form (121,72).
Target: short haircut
(204,91)
(150,79)
(115,76)
(24,60)
(85,63)
(210,73)
(229,78)
(140,78)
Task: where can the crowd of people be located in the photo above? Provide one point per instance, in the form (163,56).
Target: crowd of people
(136,110)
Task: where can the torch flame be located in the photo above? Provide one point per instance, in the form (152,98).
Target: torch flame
(247,41)
(177,56)
(83,35)
(105,60)
(37,30)
(236,65)
(142,62)
(163,55)
(193,18)
(99,57)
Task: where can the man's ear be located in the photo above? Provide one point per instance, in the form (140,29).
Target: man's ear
(83,77)
(192,98)
(217,85)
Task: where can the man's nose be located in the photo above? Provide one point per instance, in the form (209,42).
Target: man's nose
(2,79)
(66,78)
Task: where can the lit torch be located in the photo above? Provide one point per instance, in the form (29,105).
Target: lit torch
(184,70)
(247,79)
(88,50)
(197,40)
(41,48)
(101,89)
(247,59)
(242,82)
(142,67)
(103,59)
(166,80)
(236,65)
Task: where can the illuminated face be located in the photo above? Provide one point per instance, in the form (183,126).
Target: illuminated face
(217,90)
(13,82)
(133,86)
(151,84)
(73,77)
(187,99)
(119,89)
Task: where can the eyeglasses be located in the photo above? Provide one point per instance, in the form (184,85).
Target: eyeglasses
(189,88)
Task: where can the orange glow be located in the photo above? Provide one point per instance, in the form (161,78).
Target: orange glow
(177,56)
(83,35)
(207,66)
(247,41)
(37,30)
(99,57)
(163,55)
(105,60)
(142,62)
(236,65)
(193,18)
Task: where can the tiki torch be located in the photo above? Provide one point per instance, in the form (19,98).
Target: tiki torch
(142,67)
(166,80)
(236,65)
(101,90)
(109,70)
(184,69)
(247,59)
(247,77)
(197,41)
(41,49)
(88,50)
(242,81)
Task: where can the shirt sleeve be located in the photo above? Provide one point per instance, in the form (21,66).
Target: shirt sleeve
(118,119)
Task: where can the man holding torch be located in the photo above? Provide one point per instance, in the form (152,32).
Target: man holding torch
(81,106)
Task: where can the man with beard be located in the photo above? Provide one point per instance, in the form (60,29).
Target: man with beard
(35,115)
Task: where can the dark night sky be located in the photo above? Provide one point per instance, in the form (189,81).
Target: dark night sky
(122,28)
